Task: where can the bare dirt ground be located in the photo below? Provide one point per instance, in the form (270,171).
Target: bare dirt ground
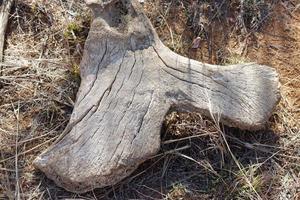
(199,158)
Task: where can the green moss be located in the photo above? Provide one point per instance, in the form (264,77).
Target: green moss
(73,30)
(75,72)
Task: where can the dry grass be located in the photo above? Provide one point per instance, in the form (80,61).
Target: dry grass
(199,158)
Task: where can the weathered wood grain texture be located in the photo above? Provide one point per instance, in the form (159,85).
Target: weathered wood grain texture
(130,81)
(4,13)
(5,8)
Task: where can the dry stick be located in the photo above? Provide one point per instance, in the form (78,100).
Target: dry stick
(185,138)
(17,114)
(4,12)
(41,136)
(29,150)
(7,170)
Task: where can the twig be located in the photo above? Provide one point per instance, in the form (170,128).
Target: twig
(41,136)
(185,138)
(7,170)
(17,114)
(241,18)
(208,168)
(29,150)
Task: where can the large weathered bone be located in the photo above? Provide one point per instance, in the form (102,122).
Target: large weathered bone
(130,80)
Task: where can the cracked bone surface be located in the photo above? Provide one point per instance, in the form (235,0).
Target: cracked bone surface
(130,81)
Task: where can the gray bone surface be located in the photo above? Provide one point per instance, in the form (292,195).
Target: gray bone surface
(130,81)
